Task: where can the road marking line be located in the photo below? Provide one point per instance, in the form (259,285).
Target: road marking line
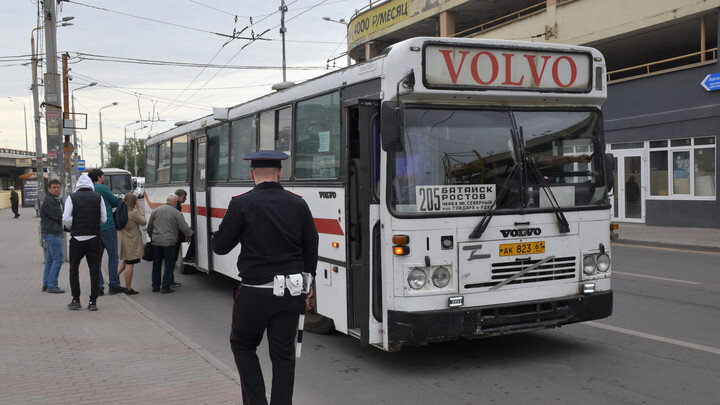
(653,337)
(656,278)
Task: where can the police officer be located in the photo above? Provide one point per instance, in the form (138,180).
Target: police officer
(278,241)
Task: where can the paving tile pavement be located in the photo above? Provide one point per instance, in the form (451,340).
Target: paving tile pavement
(119,354)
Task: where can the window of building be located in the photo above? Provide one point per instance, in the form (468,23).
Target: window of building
(692,161)
(178,171)
(164,160)
(318,138)
(243,142)
(218,152)
(150,160)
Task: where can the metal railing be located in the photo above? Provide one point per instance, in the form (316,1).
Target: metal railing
(516,15)
(656,66)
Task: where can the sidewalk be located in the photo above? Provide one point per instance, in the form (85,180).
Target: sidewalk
(119,354)
(699,239)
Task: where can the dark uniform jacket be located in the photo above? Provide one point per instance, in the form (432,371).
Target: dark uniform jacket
(14,199)
(51,212)
(276,232)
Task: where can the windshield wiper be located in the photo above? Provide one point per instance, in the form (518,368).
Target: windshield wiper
(562,221)
(480,228)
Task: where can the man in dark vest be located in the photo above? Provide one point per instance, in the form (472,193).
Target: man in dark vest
(83,214)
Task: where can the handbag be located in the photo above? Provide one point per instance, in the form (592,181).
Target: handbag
(148,253)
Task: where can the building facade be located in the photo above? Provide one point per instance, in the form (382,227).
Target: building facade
(661,123)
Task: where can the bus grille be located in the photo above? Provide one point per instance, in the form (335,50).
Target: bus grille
(559,268)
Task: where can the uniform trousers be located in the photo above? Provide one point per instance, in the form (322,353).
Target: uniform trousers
(14,208)
(91,249)
(254,311)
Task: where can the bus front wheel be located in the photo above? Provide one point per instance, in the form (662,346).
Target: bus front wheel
(314,322)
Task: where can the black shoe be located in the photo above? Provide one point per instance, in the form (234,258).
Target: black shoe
(101,292)
(175,285)
(44,288)
(74,305)
(131,292)
(155,289)
(92,306)
(112,290)
(168,291)
(55,290)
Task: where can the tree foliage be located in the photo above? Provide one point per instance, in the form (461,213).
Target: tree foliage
(117,156)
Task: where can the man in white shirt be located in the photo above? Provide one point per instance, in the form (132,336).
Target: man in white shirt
(84,212)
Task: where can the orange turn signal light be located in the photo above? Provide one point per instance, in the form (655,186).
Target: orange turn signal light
(400,239)
(335,245)
(401,250)
(615,227)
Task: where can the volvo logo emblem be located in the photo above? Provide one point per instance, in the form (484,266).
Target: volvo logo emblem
(520,232)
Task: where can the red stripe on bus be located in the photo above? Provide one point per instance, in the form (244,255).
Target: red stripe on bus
(184,207)
(323,225)
(328,226)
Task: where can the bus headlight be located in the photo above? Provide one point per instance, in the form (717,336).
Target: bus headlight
(441,277)
(417,279)
(603,262)
(589,264)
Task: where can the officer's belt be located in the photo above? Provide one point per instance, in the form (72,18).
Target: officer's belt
(295,284)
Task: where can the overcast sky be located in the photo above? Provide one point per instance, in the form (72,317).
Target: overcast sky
(157,91)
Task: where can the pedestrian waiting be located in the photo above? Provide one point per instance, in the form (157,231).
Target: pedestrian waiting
(108,234)
(163,227)
(84,212)
(14,202)
(51,213)
(131,243)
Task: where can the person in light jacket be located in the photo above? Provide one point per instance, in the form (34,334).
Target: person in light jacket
(131,243)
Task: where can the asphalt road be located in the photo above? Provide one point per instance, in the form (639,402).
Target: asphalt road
(661,346)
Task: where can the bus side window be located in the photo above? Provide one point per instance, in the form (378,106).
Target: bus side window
(318,138)
(150,158)
(218,152)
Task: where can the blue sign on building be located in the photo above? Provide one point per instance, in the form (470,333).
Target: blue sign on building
(711,82)
(81,165)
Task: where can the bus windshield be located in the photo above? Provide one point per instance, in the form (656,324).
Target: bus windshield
(119,183)
(459,160)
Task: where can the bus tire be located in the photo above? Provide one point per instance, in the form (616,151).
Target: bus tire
(314,322)
(318,324)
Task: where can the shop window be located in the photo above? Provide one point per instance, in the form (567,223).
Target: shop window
(164,160)
(659,172)
(179,159)
(628,145)
(218,152)
(704,172)
(242,142)
(318,138)
(693,165)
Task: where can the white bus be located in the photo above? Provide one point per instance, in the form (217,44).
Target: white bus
(459,187)
(119,180)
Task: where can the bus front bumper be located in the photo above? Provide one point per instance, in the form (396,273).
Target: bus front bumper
(412,328)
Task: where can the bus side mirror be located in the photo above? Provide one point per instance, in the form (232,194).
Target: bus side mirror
(391,119)
(609,172)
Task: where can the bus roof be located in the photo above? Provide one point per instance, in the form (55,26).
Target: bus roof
(396,62)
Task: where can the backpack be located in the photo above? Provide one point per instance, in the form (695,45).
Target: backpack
(120,215)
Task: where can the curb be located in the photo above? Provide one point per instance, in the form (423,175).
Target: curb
(667,245)
(199,350)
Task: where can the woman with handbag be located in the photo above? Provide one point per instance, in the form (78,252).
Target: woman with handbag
(131,243)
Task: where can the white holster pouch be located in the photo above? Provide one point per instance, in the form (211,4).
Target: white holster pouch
(279,286)
(294,284)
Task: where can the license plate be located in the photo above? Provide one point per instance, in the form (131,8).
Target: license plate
(527,248)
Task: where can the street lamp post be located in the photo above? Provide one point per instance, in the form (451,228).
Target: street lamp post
(343,22)
(102,146)
(25,118)
(135,149)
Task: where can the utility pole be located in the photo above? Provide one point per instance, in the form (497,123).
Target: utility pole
(67,146)
(283,30)
(53,111)
(102,145)
(38,135)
